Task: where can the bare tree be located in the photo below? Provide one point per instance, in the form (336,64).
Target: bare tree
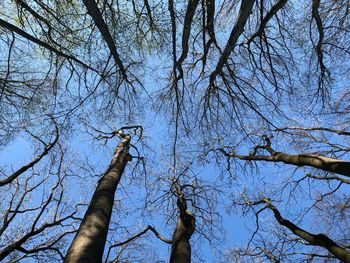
(259,88)
(323,174)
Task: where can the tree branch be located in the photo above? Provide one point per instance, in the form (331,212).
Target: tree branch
(318,48)
(96,15)
(316,240)
(33,39)
(24,168)
(190,11)
(273,11)
(237,30)
(320,162)
(339,132)
(155,232)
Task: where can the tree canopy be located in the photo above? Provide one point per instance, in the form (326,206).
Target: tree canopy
(231,119)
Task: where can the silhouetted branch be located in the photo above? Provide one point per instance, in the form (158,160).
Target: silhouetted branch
(24,168)
(273,11)
(96,15)
(39,42)
(237,30)
(339,132)
(320,162)
(152,229)
(316,240)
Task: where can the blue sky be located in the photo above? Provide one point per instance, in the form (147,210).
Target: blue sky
(86,158)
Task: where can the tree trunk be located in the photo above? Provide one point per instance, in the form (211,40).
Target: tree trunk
(181,248)
(89,242)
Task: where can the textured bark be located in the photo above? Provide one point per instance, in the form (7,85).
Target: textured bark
(181,247)
(89,242)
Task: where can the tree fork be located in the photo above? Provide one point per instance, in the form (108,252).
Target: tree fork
(89,242)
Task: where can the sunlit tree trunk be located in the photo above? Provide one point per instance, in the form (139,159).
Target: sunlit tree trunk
(89,242)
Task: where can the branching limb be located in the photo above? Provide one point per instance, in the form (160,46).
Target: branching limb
(316,240)
(41,43)
(96,15)
(237,30)
(318,47)
(320,162)
(328,178)
(36,15)
(138,130)
(339,132)
(152,229)
(17,244)
(273,11)
(24,168)
(190,12)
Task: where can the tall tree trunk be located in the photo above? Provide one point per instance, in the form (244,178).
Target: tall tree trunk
(89,242)
(181,247)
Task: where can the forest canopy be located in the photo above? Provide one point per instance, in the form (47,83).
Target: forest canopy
(180,131)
